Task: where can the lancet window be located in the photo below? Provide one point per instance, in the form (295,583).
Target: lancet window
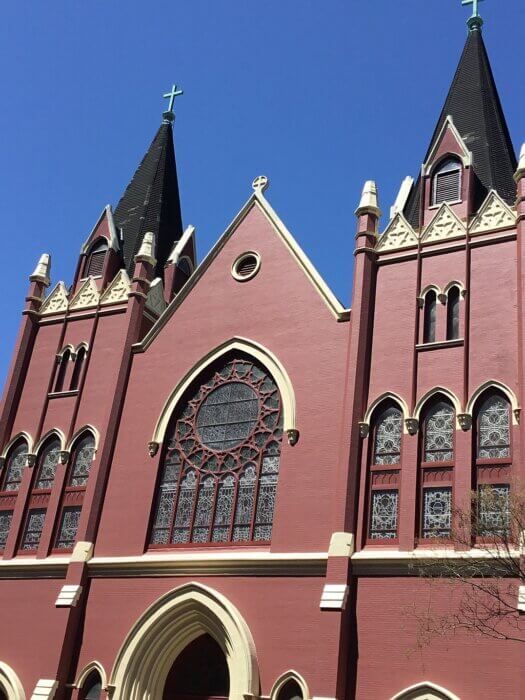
(10,479)
(453,309)
(63,365)
(436,472)
(96,257)
(384,474)
(429,317)
(92,688)
(74,491)
(493,465)
(220,466)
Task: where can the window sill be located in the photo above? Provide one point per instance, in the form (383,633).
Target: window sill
(422,347)
(432,207)
(60,394)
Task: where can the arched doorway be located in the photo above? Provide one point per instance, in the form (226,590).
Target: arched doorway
(199,672)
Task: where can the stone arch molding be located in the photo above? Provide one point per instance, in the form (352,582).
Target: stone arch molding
(290,675)
(249,347)
(504,389)
(167,627)
(382,398)
(10,683)
(88,670)
(437,392)
(425,691)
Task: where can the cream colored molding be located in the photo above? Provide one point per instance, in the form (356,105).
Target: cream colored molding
(504,389)
(113,237)
(250,347)
(465,156)
(521,599)
(426,290)
(380,556)
(86,297)
(146,252)
(167,627)
(520,172)
(69,347)
(443,227)
(398,234)
(239,260)
(180,245)
(42,270)
(342,544)
(493,215)
(369,202)
(88,428)
(56,302)
(387,396)
(22,435)
(45,688)
(425,691)
(82,552)
(68,596)
(57,433)
(334,596)
(402,196)
(10,683)
(434,392)
(88,670)
(459,285)
(290,675)
(155,300)
(117,291)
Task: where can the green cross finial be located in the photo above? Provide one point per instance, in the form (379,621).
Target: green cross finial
(475,21)
(168,115)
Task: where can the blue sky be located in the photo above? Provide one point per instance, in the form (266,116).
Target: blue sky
(319,95)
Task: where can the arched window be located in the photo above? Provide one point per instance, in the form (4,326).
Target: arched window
(453,313)
(493,465)
(77,369)
(96,257)
(74,491)
(291,690)
(436,473)
(43,481)
(221,460)
(429,320)
(446,184)
(10,479)
(200,671)
(92,687)
(63,364)
(185,266)
(384,474)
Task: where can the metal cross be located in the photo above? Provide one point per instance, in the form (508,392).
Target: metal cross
(474,4)
(173,94)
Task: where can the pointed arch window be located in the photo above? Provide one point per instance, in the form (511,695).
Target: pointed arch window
(92,687)
(77,476)
(453,299)
(429,317)
(493,465)
(383,498)
(291,690)
(96,257)
(220,466)
(10,479)
(437,470)
(63,365)
(43,481)
(446,183)
(80,359)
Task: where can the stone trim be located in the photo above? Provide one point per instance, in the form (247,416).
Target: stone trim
(45,688)
(68,596)
(334,596)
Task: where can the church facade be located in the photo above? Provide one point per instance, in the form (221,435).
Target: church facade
(203,496)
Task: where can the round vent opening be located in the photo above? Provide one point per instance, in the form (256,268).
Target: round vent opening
(246,266)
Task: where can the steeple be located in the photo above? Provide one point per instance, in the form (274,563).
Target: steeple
(151,202)
(473,104)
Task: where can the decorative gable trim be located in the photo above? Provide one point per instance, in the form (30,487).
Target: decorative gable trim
(493,215)
(56,302)
(465,154)
(118,290)
(86,296)
(398,234)
(444,226)
(155,301)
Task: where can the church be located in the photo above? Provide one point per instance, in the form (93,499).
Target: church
(200,501)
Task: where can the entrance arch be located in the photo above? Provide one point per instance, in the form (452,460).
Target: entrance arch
(200,672)
(168,627)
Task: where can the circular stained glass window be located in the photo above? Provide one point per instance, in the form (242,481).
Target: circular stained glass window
(227,416)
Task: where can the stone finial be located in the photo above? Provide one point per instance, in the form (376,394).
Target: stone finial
(369,203)
(520,172)
(42,270)
(147,250)
(260,184)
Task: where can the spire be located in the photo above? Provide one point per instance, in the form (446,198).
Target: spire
(42,270)
(151,202)
(474,105)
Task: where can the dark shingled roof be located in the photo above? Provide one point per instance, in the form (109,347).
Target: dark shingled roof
(474,105)
(151,202)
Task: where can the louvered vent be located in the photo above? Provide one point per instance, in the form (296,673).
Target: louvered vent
(95,264)
(447,187)
(246,266)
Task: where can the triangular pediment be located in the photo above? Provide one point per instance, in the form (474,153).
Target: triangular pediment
(398,234)
(56,302)
(155,301)
(104,228)
(493,215)
(118,290)
(86,296)
(443,227)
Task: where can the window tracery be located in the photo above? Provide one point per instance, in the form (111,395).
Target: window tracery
(16,461)
(388,437)
(494,428)
(221,463)
(439,433)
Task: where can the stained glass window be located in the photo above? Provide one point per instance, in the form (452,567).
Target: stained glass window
(5,523)
(439,433)
(494,428)
(15,464)
(221,465)
(68,527)
(437,512)
(82,460)
(33,529)
(493,510)
(383,517)
(387,445)
(47,465)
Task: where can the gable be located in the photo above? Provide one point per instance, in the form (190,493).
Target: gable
(444,226)
(493,215)
(398,234)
